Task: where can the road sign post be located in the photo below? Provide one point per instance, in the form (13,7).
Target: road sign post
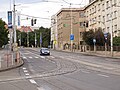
(94,41)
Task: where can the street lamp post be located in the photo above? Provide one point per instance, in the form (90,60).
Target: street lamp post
(14,26)
(35,40)
(111,30)
(71,28)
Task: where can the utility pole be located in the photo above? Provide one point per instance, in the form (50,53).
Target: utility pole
(71,28)
(14,26)
(35,40)
(111,30)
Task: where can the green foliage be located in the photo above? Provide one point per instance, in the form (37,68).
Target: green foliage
(44,32)
(116,41)
(88,37)
(3,34)
(99,36)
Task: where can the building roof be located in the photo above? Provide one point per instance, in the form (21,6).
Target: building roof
(69,9)
(25,29)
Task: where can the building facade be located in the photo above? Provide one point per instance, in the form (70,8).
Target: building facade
(54,32)
(104,14)
(70,21)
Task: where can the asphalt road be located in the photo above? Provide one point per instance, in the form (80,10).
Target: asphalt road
(62,71)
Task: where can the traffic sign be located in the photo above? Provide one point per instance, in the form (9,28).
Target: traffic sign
(9,19)
(105,35)
(72,37)
(94,40)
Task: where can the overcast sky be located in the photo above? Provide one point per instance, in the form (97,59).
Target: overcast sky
(41,9)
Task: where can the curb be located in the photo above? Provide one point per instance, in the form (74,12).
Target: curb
(13,67)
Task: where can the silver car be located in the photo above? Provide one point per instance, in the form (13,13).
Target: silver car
(44,51)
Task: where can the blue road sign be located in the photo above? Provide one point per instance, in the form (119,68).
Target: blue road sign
(9,19)
(105,35)
(72,37)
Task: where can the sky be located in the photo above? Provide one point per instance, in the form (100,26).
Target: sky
(42,10)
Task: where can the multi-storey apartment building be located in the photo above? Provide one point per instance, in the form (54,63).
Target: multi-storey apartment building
(98,13)
(70,21)
(104,14)
(54,34)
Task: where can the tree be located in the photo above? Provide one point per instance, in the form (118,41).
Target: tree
(116,41)
(3,33)
(88,37)
(99,36)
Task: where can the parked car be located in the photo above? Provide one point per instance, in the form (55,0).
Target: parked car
(44,51)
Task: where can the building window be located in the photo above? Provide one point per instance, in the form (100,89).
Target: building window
(103,7)
(108,4)
(98,7)
(99,18)
(82,15)
(108,29)
(115,27)
(82,24)
(115,14)
(103,18)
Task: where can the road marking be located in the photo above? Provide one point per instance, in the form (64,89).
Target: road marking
(30,57)
(24,68)
(40,88)
(25,71)
(27,74)
(36,57)
(24,57)
(42,57)
(32,81)
(102,75)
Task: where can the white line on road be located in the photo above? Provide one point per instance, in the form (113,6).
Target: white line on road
(30,57)
(36,57)
(32,81)
(25,71)
(24,68)
(52,57)
(42,57)
(102,75)
(27,74)
(40,88)
(24,58)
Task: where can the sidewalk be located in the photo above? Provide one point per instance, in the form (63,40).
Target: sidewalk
(98,53)
(8,61)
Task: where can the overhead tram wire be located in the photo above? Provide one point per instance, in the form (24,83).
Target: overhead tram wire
(72,3)
(35,17)
(43,1)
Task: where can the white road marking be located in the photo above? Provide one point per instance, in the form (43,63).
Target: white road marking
(36,57)
(32,81)
(27,74)
(102,75)
(42,57)
(24,57)
(40,88)
(25,71)
(30,57)
(24,68)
